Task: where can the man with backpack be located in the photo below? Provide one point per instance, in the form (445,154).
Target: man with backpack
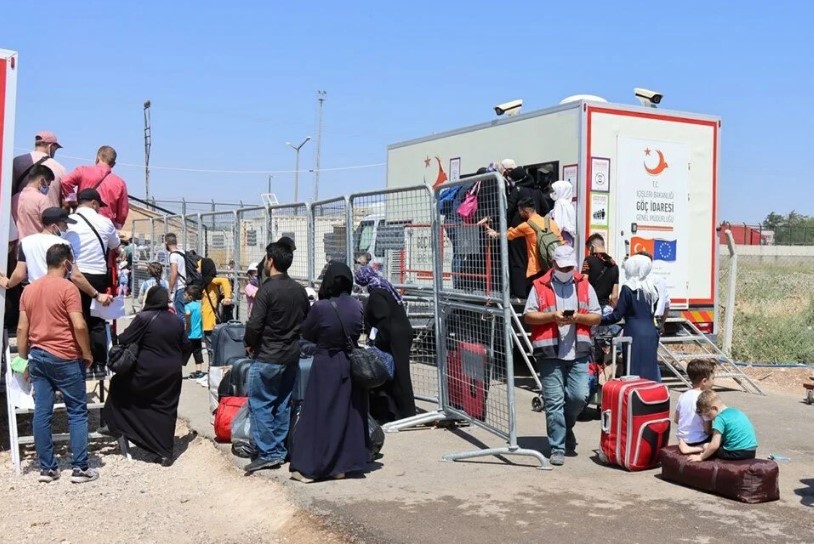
(542,237)
(183,271)
(45,147)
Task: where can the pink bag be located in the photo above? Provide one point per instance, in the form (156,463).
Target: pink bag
(469,207)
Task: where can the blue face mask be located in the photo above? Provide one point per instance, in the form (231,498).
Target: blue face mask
(44,189)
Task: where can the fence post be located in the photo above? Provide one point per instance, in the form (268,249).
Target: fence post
(311,246)
(238,214)
(731,293)
(184,224)
(349,232)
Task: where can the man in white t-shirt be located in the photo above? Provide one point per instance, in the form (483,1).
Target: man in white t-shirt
(178,274)
(91,237)
(31,264)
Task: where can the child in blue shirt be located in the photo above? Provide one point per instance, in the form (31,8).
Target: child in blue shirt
(194,322)
(733,436)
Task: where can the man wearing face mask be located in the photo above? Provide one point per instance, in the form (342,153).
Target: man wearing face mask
(45,147)
(27,205)
(31,263)
(92,236)
(561,309)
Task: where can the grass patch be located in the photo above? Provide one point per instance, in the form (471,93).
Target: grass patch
(774,313)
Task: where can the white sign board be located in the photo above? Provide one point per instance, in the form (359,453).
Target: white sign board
(652,215)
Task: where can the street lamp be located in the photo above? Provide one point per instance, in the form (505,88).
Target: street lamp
(297,148)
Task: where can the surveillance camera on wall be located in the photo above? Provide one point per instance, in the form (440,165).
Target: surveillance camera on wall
(509,108)
(648,98)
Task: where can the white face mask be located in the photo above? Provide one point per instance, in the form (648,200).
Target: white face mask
(564,277)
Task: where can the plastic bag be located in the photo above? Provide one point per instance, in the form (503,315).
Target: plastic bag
(241,425)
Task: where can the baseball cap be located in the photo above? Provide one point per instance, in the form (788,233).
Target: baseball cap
(52,216)
(565,256)
(252,268)
(90,194)
(46,137)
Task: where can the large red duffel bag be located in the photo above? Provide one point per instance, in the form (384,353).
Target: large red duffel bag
(751,480)
(225,413)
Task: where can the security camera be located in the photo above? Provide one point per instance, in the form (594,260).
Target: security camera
(509,108)
(648,98)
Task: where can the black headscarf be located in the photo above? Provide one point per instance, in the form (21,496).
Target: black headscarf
(329,287)
(208,270)
(157,298)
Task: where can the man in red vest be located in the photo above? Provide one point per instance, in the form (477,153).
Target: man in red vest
(561,309)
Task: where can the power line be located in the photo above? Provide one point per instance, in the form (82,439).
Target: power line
(206,171)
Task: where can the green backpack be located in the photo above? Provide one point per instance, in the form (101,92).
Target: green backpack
(547,242)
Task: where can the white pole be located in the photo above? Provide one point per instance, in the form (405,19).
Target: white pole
(731,293)
(321,98)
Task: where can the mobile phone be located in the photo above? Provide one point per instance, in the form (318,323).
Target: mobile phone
(568,313)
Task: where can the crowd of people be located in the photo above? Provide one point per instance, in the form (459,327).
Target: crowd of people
(65,252)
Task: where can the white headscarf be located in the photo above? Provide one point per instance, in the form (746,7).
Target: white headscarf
(637,277)
(563,212)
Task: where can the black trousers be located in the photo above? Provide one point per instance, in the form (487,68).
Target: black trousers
(96,325)
(735,455)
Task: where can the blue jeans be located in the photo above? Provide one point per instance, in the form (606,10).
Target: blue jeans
(178,304)
(565,393)
(48,375)
(270,386)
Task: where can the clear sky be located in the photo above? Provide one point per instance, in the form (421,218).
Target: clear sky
(231,83)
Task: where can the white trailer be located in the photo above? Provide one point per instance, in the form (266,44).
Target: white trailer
(8,101)
(646,179)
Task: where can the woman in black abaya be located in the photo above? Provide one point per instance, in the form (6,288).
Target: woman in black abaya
(331,436)
(143,404)
(394,334)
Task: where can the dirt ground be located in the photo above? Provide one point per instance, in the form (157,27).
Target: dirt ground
(781,380)
(202,498)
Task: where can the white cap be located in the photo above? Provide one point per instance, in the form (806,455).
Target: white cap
(252,268)
(507,164)
(565,256)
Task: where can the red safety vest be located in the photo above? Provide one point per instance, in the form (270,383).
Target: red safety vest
(546,338)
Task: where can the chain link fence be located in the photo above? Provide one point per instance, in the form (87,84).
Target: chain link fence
(292,220)
(329,220)
(773,308)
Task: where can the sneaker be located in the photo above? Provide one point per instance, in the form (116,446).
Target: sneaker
(300,478)
(557,458)
(194,375)
(82,476)
(48,476)
(262,464)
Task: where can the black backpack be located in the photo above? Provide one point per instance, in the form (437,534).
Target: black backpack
(193,275)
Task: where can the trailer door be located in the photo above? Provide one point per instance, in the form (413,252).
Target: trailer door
(652,211)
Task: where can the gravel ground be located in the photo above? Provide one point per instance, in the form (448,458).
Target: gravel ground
(781,380)
(202,498)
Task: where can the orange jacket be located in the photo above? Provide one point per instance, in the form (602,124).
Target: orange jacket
(525,230)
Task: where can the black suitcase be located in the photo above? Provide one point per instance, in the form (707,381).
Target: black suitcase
(227,343)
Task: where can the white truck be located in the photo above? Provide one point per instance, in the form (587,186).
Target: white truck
(646,179)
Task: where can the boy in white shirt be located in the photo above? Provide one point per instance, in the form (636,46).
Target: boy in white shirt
(692,431)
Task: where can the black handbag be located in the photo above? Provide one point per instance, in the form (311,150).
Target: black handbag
(122,357)
(366,369)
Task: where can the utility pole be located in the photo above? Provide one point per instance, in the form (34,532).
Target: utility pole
(270,178)
(321,98)
(297,148)
(148,142)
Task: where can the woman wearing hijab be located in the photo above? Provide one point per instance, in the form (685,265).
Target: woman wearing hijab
(637,305)
(143,403)
(330,438)
(388,326)
(216,290)
(563,212)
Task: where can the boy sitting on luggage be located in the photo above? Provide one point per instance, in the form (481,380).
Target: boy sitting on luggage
(733,436)
(692,431)
(194,322)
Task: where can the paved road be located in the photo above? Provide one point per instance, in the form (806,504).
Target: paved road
(413,496)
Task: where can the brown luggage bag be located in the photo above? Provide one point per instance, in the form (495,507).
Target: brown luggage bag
(751,481)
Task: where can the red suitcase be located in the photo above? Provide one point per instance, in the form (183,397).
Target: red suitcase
(635,421)
(466,378)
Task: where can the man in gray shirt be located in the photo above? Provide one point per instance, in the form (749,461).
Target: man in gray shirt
(561,309)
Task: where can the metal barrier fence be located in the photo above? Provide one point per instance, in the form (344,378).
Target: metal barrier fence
(293,220)
(330,235)
(449,270)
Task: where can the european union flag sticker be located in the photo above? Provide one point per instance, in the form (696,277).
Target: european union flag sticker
(664,250)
